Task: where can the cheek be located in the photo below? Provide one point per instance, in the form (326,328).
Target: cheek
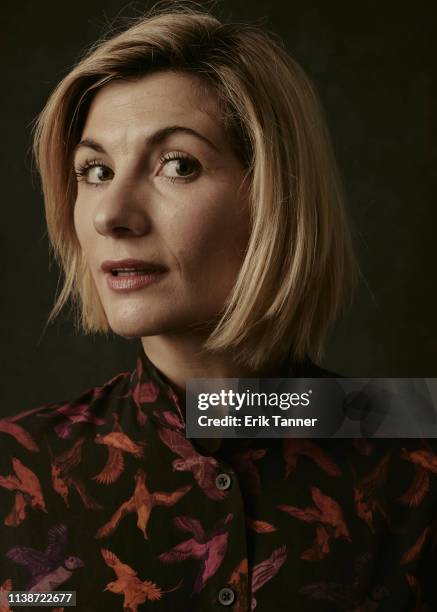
(211,239)
(81,225)
(77,217)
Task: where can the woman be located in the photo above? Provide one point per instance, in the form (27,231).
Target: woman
(192,201)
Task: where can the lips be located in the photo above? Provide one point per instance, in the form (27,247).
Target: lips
(122,267)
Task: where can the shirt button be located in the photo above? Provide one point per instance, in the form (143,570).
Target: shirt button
(223,481)
(226,596)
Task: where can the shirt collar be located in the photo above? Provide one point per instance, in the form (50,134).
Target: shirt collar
(153,395)
(156,398)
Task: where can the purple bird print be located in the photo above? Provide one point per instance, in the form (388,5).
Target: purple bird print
(48,569)
(204,468)
(264,571)
(207,547)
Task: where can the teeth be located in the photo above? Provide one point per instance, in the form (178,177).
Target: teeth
(130,272)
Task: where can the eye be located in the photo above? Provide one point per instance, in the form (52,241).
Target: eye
(179,166)
(93,172)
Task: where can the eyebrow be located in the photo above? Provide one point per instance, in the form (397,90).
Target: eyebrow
(153,140)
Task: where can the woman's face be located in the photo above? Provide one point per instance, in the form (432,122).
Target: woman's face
(159,182)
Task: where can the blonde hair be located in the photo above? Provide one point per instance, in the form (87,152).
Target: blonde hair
(300,269)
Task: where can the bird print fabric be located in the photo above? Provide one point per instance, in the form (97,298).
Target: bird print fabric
(104,495)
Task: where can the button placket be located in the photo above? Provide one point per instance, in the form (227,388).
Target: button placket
(226,596)
(223,481)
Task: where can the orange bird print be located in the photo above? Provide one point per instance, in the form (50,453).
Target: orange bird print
(292,447)
(28,492)
(5,588)
(415,551)
(62,478)
(135,590)
(239,582)
(425,462)
(328,516)
(259,526)
(18,432)
(117,443)
(365,491)
(142,502)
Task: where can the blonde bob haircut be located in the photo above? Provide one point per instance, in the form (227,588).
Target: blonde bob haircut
(299,269)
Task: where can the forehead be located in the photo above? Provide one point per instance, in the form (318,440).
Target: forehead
(154,100)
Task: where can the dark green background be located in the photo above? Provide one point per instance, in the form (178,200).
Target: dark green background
(373,65)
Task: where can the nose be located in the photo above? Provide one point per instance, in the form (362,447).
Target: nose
(122,209)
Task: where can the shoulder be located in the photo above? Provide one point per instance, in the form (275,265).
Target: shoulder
(23,430)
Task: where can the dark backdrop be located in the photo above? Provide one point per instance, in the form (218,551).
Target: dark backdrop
(372,63)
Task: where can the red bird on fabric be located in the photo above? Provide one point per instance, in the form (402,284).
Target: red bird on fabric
(18,432)
(208,547)
(328,516)
(204,468)
(244,460)
(80,411)
(143,392)
(425,463)
(292,447)
(266,570)
(367,490)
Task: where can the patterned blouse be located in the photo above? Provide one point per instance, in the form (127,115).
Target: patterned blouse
(104,495)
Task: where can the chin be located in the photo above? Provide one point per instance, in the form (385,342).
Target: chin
(136,319)
(135,328)
(143,324)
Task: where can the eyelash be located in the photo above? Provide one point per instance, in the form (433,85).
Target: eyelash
(82,169)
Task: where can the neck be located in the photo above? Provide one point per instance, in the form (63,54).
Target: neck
(180,358)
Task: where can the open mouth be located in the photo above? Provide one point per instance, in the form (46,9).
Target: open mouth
(136,272)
